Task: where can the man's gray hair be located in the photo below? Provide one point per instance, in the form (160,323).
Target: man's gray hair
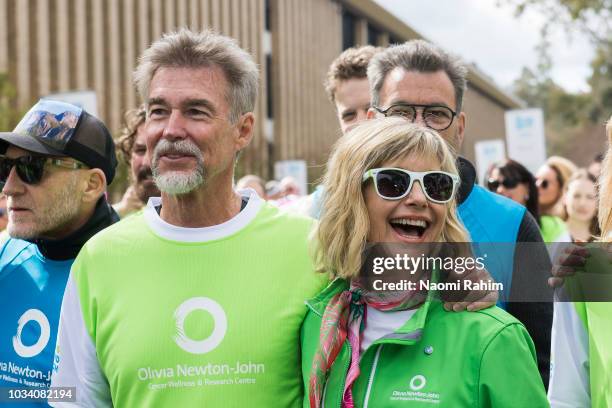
(188,49)
(420,56)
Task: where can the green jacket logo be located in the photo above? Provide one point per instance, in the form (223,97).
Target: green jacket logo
(418,382)
(208,344)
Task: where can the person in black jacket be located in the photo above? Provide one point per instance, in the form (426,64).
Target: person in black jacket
(54,170)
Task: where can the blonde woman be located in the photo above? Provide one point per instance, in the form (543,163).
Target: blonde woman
(392,182)
(580,200)
(551,181)
(581,356)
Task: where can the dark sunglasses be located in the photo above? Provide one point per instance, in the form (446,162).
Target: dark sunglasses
(30,169)
(395,184)
(493,184)
(543,184)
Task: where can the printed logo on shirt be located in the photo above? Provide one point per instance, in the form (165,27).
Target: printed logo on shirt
(417,390)
(219,330)
(208,373)
(32,315)
(418,382)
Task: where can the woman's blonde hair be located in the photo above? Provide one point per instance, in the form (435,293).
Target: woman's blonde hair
(344,226)
(605,190)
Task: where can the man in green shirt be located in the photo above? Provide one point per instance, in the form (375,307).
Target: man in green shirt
(198,300)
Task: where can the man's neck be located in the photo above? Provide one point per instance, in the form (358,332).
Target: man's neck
(207,206)
(69,246)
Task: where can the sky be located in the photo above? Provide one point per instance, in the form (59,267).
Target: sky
(495,40)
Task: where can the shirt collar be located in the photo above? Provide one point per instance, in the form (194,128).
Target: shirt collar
(215,232)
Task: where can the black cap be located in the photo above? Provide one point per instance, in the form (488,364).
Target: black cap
(54,128)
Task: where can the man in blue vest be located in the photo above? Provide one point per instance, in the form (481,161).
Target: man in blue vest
(54,170)
(422,83)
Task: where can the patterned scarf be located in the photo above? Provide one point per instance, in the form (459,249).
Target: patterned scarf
(344,319)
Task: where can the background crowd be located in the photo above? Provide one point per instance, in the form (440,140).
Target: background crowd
(188,229)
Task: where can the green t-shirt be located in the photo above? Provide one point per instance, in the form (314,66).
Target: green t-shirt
(553,229)
(158,315)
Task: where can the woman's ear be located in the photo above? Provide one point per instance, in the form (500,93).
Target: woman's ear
(95,185)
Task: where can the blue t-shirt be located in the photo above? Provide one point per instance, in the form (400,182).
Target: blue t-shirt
(31,291)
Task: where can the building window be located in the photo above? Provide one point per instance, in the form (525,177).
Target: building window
(373,34)
(267,12)
(348,29)
(394,40)
(269,85)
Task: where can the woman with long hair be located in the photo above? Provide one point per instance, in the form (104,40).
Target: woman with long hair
(580,201)
(371,339)
(581,356)
(551,180)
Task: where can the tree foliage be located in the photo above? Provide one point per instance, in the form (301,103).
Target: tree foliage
(593,17)
(570,117)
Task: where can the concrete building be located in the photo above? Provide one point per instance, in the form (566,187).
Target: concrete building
(51,46)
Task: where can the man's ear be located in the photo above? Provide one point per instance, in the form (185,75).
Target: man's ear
(461,118)
(371,113)
(95,185)
(245,130)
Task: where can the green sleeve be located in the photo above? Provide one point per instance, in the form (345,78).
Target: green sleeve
(509,375)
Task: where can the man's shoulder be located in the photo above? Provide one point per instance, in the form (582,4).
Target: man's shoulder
(498,201)
(11,247)
(127,229)
(285,219)
(483,324)
(14,252)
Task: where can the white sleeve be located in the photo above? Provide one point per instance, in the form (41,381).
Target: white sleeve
(76,363)
(569,385)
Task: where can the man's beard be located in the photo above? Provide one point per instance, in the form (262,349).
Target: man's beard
(61,209)
(145,185)
(178,182)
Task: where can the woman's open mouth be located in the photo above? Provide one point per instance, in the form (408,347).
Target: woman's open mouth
(409,228)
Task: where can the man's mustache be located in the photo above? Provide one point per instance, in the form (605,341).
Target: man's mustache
(144,173)
(181,147)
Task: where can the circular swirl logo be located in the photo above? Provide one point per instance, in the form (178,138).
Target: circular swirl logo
(218,333)
(35,349)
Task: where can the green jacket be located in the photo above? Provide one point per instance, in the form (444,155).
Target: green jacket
(438,358)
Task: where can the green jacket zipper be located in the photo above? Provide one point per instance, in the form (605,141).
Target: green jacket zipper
(371,376)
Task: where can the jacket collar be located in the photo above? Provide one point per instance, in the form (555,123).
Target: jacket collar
(318,303)
(467,173)
(409,333)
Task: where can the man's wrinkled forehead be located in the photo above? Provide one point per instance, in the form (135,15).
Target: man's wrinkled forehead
(204,78)
(417,87)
